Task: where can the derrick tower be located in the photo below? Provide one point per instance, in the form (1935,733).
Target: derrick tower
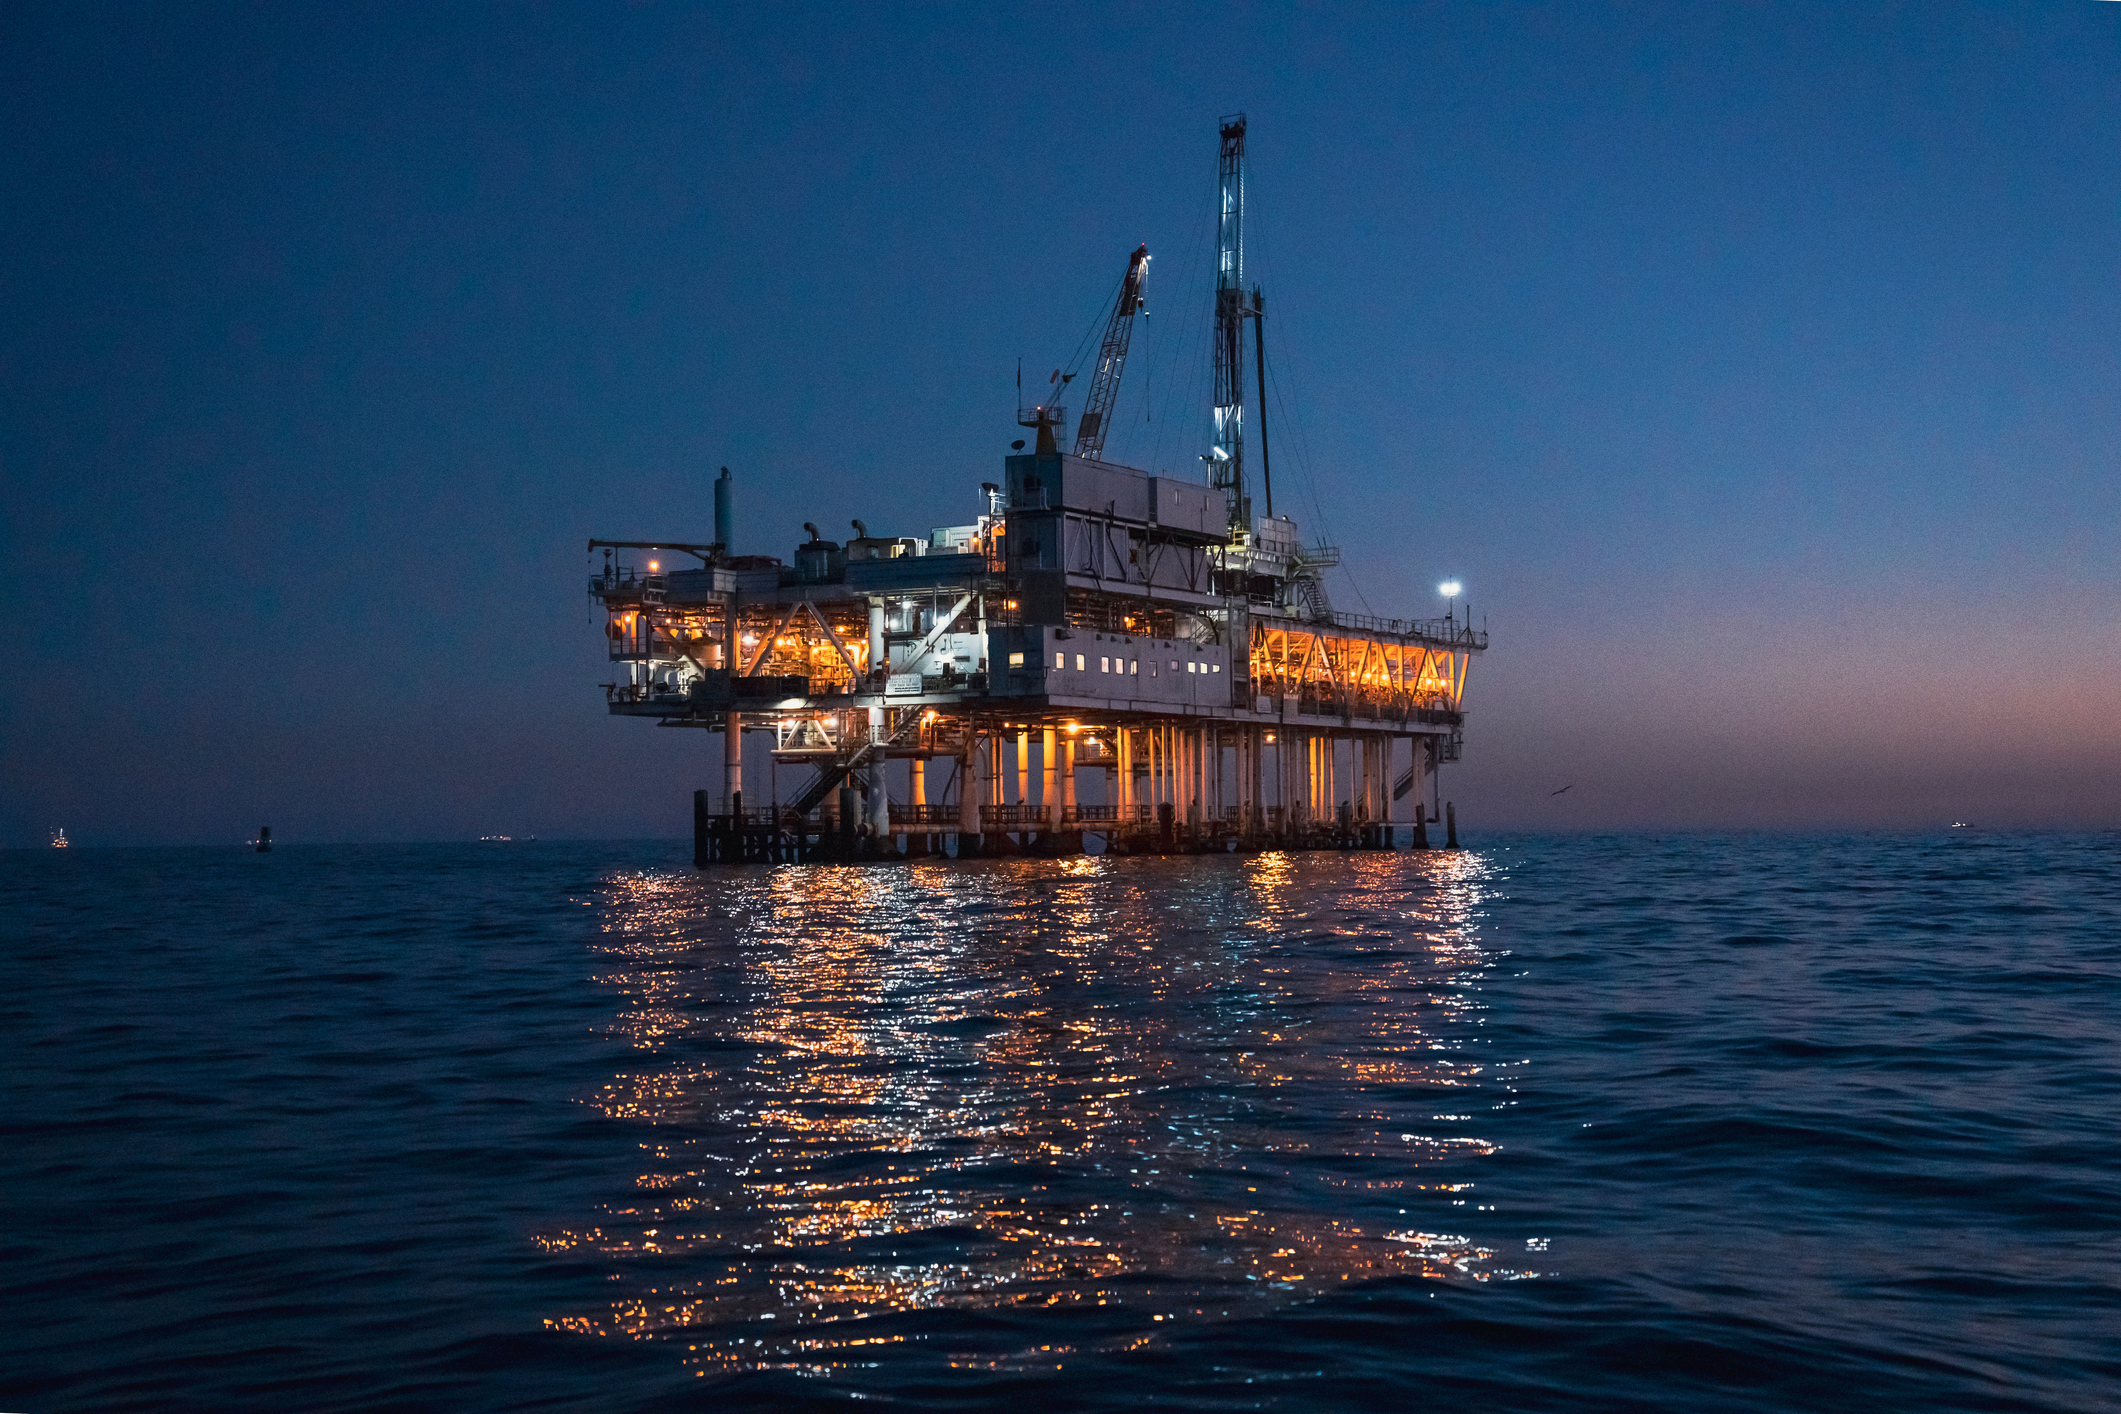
(1226,459)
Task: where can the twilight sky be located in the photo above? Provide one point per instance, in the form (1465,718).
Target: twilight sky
(1754,366)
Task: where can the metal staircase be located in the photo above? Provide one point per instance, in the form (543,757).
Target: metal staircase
(830,775)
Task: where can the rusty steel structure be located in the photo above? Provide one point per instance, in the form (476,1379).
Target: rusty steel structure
(1098,651)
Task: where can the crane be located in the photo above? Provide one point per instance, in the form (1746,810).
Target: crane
(1111,358)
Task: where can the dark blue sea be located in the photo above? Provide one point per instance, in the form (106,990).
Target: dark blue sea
(1644,1122)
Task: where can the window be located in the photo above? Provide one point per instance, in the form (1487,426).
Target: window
(1174,665)
(1191,666)
(1134,665)
(1060,660)
(1080,664)
(1104,665)
(1152,667)
(1215,667)
(1016,660)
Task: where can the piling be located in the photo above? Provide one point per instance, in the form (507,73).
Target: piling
(1450,816)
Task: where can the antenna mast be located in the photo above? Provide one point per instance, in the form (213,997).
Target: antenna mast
(1090,428)
(1226,463)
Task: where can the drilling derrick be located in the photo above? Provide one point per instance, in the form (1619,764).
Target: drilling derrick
(1135,636)
(1111,358)
(1226,460)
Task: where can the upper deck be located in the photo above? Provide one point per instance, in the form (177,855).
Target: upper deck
(1086,587)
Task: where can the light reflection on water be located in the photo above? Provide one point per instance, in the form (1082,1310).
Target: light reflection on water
(1176,1090)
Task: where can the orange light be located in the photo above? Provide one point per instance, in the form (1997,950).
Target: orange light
(654,565)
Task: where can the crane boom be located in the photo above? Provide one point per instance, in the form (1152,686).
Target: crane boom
(1111,358)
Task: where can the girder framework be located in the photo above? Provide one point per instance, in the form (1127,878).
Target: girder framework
(1356,675)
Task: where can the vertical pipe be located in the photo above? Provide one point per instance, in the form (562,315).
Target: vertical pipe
(1147,745)
(1067,801)
(1189,808)
(1197,770)
(1023,767)
(1152,743)
(879,783)
(1174,759)
(732,758)
(919,841)
(1124,750)
(725,512)
(1049,771)
(700,829)
(968,826)
(1157,766)
(1206,758)
(877,662)
(1292,777)
(1212,770)
(1256,779)
(1174,763)
(1310,777)
(1450,825)
(1391,806)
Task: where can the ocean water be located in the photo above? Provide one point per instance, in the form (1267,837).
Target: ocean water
(1674,1122)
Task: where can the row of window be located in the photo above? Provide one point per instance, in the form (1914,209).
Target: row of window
(1122,666)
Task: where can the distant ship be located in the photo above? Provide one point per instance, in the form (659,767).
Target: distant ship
(264,839)
(59,837)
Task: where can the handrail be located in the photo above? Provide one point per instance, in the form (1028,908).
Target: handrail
(1444,630)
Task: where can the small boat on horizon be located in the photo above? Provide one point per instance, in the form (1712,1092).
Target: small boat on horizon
(59,840)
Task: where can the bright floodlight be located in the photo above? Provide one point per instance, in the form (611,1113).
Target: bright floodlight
(1450,589)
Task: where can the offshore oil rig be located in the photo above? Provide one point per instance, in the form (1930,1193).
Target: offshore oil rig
(1098,651)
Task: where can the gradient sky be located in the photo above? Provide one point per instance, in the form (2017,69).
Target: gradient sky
(1754,366)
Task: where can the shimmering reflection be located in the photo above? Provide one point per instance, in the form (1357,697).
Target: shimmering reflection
(1144,1091)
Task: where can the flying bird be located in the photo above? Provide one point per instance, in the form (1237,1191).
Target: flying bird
(1564,790)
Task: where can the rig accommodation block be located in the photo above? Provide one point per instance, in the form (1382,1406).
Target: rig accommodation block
(1093,621)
